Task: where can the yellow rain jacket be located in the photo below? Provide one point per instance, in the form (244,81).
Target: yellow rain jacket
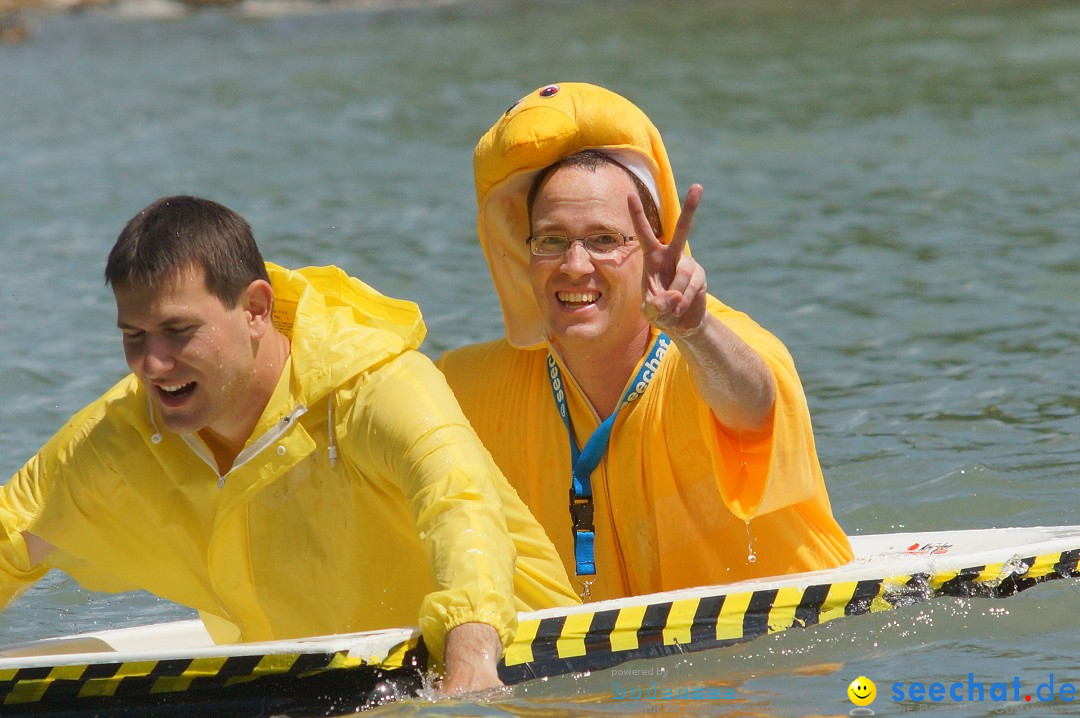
(678,500)
(362,501)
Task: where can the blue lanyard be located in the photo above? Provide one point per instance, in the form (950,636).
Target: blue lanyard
(584,461)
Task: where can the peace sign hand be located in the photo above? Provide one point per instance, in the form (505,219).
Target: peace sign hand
(673,283)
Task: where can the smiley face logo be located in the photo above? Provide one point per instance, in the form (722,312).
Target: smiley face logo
(862,691)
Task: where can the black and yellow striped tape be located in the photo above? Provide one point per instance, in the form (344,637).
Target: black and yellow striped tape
(543,647)
(167,676)
(282,679)
(590,641)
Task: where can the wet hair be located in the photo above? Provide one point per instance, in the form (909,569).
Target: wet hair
(594,160)
(174,233)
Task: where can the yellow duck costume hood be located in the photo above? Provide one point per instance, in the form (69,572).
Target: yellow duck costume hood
(543,127)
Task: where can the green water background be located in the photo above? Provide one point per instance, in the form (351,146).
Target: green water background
(891,187)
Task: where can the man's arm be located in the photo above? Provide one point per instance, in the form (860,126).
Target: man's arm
(731,378)
(412,425)
(38,548)
(728,375)
(472,657)
(22,553)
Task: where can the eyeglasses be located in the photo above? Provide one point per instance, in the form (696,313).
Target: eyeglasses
(601,244)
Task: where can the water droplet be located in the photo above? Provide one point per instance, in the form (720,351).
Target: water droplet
(751,557)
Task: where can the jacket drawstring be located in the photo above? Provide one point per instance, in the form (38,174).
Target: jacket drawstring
(331,450)
(156,436)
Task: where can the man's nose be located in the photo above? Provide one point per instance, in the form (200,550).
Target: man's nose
(157,358)
(577,261)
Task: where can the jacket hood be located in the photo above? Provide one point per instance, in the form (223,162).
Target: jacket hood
(542,128)
(314,304)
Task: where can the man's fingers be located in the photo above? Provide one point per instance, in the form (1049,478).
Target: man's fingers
(658,306)
(689,276)
(642,229)
(686,219)
(682,279)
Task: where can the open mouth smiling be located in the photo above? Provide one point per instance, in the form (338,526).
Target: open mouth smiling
(577,299)
(176,391)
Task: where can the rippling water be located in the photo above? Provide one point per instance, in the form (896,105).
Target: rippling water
(891,187)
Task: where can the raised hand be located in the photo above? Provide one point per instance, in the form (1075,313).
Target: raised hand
(673,283)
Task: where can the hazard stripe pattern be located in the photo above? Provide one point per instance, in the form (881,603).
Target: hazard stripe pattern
(550,646)
(726,619)
(63,684)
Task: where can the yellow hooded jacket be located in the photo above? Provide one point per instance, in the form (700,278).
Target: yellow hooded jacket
(678,500)
(362,501)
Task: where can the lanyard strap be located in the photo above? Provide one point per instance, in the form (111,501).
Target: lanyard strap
(584,461)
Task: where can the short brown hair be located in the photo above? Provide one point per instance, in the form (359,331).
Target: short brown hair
(594,160)
(173,233)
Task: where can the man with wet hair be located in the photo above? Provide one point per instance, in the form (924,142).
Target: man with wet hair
(281,458)
(661,438)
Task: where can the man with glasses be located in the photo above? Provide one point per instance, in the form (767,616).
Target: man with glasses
(661,438)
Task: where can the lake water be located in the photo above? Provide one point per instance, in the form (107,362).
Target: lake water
(893,188)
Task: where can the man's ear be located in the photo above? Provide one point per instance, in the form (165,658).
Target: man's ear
(258,302)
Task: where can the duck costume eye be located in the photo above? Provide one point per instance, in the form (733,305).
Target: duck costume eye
(547,91)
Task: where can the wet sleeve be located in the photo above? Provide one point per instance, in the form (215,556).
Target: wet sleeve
(417,434)
(781,468)
(48,498)
(20,502)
